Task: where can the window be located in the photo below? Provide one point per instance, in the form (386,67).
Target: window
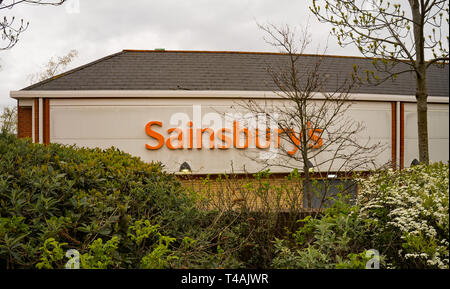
(324,190)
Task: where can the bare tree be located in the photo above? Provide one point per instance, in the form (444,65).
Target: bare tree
(53,67)
(8,118)
(413,37)
(10,28)
(315,132)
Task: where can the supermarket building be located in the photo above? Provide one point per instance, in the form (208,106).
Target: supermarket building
(130,99)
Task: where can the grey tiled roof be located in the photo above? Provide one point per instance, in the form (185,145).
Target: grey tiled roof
(194,70)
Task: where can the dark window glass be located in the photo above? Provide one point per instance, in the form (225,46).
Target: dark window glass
(324,190)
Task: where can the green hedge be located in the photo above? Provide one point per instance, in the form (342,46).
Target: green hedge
(54,198)
(408,214)
(403,215)
(119,212)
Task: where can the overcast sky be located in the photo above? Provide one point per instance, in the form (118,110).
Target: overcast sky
(103,27)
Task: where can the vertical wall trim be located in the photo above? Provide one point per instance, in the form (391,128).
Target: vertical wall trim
(32,123)
(36,120)
(18,128)
(394,134)
(402,135)
(41,120)
(398,133)
(46,121)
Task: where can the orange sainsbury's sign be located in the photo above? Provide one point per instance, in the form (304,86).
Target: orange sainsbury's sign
(237,136)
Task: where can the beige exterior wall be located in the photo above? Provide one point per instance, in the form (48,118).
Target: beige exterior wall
(118,118)
(121,123)
(438,133)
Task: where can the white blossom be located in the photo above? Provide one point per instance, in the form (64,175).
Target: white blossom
(416,203)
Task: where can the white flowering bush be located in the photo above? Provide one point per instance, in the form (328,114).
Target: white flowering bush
(408,213)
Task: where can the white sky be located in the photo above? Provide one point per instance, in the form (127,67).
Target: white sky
(103,27)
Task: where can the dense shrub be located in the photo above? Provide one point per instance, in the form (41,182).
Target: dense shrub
(263,208)
(116,210)
(119,212)
(409,215)
(402,214)
(334,239)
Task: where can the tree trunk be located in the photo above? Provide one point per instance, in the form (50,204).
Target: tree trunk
(417,9)
(422,121)
(307,190)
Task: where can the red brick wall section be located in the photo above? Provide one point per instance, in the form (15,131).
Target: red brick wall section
(24,122)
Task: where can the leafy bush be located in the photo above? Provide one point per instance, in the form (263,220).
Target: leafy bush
(334,239)
(119,212)
(86,199)
(116,210)
(258,208)
(402,214)
(409,215)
